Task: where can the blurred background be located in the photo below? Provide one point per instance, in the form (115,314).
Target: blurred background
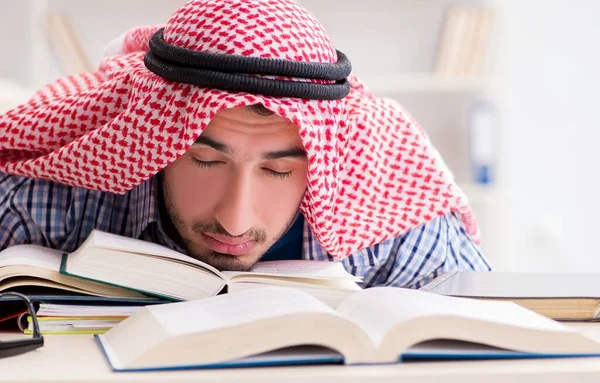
(506,90)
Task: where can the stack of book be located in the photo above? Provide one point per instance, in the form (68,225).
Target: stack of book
(76,319)
(560,296)
(117,275)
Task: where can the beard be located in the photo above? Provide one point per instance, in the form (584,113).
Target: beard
(184,234)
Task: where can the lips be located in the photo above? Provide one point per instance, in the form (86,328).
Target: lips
(228,245)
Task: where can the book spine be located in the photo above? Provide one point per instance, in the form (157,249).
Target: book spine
(445,41)
(466,41)
(457,39)
(480,45)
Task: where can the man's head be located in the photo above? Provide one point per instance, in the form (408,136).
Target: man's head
(371,172)
(238,188)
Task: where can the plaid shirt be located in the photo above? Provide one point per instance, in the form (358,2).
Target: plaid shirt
(59,216)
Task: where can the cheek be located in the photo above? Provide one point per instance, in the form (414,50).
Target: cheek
(279,200)
(189,190)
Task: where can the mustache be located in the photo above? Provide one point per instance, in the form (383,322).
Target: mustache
(214,227)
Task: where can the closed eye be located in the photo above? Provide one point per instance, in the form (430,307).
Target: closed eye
(281,175)
(206,164)
(271,172)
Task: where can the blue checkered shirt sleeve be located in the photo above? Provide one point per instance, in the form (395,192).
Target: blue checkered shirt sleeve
(41,212)
(412,259)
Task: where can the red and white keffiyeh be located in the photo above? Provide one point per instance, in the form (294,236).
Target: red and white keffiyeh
(372,173)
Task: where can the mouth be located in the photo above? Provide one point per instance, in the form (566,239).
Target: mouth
(231,246)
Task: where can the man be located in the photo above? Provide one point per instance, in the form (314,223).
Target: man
(234,134)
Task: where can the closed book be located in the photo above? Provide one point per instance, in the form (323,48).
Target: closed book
(561,296)
(71,325)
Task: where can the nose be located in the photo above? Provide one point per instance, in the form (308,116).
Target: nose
(235,211)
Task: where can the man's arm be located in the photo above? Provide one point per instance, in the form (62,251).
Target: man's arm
(15,221)
(36,211)
(415,258)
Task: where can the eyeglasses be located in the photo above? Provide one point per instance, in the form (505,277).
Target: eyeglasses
(20,346)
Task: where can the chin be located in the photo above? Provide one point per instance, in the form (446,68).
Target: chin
(224,262)
(227,262)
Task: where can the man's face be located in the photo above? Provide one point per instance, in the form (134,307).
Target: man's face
(237,190)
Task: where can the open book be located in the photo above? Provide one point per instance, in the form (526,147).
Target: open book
(287,326)
(37,269)
(111,265)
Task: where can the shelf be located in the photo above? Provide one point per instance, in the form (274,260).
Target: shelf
(425,82)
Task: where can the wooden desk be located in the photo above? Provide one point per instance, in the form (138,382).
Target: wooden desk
(76,358)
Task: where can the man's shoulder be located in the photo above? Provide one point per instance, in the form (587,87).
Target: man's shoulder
(410,258)
(52,214)
(37,193)
(13,183)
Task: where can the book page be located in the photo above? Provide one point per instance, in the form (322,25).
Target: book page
(295,355)
(31,255)
(332,294)
(324,284)
(453,349)
(378,309)
(37,281)
(72,310)
(306,269)
(147,274)
(103,240)
(224,310)
(232,326)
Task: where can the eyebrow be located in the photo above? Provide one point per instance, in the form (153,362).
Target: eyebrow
(286,153)
(213,144)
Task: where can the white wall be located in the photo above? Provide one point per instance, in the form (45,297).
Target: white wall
(551,140)
(15,59)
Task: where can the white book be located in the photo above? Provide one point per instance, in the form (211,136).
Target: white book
(376,325)
(115,266)
(451,40)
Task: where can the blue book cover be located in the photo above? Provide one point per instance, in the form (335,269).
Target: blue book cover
(303,355)
(306,355)
(456,350)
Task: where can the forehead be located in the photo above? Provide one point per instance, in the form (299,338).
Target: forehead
(242,121)
(248,115)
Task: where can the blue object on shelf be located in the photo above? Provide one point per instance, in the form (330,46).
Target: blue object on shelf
(481,141)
